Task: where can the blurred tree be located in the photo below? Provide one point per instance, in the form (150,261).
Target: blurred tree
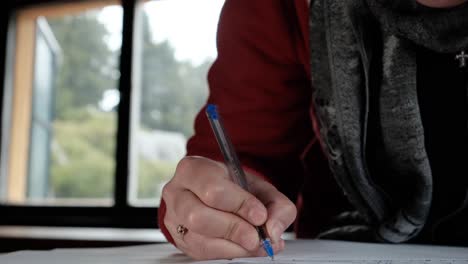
(83,152)
(172,91)
(83,159)
(88,66)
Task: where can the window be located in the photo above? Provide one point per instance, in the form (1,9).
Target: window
(174,49)
(62,143)
(98,103)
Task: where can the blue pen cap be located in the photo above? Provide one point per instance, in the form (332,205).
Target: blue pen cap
(212,111)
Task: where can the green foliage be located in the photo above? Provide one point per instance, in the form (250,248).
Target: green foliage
(87,145)
(173,91)
(88,64)
(83,159)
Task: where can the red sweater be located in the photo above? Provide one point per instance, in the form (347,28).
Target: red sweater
(261,83)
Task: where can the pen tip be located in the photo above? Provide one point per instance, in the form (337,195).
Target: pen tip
(268,248)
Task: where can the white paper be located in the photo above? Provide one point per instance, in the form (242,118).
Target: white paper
(297,251)
(336,252)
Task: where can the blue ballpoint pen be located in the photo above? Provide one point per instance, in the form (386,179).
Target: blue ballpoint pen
(232,162)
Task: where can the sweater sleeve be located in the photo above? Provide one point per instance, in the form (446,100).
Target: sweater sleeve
(262,89)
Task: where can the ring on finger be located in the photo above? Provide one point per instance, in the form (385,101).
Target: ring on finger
(181,230)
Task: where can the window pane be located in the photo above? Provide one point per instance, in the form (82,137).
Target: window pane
(174,49)
(65,107)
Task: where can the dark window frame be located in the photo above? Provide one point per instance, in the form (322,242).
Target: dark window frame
(121,214)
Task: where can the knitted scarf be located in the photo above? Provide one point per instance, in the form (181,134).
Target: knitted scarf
(359,47)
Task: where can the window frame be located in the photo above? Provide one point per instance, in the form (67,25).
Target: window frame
(121,214)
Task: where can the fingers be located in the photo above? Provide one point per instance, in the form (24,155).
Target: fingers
(220,216)
(210,222)
(210,182)
(201,247)
(281,211)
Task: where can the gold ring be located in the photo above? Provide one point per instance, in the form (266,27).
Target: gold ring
(181,230)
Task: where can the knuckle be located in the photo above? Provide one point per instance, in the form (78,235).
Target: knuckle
(185,166)
(236,230)
(167,191)
(243,234)
(248,202)
(291,211)
(194,217)
(213,193)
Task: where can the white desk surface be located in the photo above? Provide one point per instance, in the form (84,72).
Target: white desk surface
(297,251)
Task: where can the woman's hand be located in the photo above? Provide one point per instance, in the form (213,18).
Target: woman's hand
(220,216)
(441,3)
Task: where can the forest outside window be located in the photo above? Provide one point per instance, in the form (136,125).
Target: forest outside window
(61,137)
(63,115)
(175,45)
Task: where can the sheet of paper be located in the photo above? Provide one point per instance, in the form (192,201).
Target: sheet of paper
(297,251)
(336,252)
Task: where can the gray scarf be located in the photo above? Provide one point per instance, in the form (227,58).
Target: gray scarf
(346,37)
